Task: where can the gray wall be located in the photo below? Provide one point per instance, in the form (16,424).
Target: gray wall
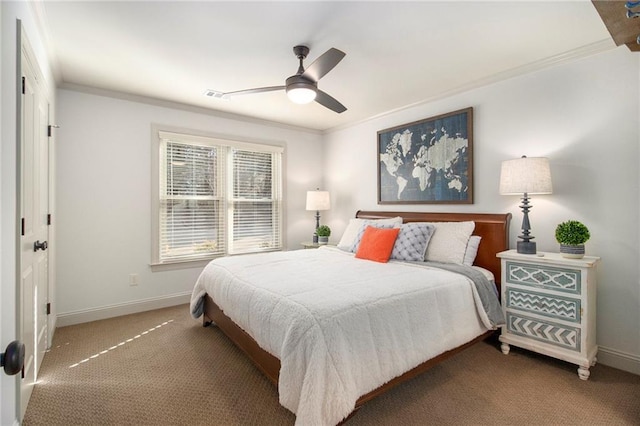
(583,116)
(104,199)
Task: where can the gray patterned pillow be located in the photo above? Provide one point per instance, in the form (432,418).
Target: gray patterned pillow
(363,227)
(412,241)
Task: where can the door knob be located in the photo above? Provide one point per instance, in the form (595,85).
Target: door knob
(39,245)
(13,358)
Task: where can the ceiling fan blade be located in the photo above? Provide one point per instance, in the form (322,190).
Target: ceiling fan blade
(328,101)
(325,63)
(251,91)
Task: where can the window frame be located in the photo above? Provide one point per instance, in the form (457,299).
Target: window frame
(158,133)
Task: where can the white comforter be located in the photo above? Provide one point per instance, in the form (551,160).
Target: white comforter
(341,326)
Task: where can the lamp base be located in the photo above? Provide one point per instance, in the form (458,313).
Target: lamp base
(526,247)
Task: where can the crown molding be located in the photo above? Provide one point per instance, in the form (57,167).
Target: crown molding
(183,107)
(562,58)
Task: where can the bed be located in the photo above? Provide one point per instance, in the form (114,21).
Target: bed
(331,345)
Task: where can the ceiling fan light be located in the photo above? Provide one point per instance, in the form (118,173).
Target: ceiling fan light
(301,95)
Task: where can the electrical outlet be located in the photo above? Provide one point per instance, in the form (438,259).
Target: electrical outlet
(133,280)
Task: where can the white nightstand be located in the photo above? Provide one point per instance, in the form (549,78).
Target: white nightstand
(549,303)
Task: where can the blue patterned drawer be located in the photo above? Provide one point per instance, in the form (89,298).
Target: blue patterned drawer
(564,308)
(543,331)
(559,279)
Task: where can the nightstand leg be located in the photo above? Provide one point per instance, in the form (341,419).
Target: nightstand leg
(584,373)
(505,348)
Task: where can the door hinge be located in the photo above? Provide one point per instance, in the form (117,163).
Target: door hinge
(22,226)
(49,219)
(50,128)
(23,85)
(49,308)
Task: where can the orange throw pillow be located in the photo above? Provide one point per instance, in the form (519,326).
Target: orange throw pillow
(377,244)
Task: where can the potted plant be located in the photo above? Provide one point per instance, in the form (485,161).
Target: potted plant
(323,233)
(572,235)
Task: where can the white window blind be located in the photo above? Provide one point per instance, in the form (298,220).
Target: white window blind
(217,197)
(255,201)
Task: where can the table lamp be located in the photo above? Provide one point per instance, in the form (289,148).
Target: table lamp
(318,200)
(526,176)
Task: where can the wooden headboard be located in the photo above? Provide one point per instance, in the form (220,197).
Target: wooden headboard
(492,227)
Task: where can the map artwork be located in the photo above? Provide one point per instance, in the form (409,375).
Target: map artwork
(428,161)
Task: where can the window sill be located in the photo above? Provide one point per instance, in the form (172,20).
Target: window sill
(200,263)
(191,264)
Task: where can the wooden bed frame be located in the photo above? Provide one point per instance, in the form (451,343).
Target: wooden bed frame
(494,230)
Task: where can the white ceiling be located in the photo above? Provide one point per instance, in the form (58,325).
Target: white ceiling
(398,53)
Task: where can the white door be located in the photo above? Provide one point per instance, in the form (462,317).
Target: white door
(41,261)
(34,205)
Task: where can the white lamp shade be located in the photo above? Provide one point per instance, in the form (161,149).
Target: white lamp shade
(301,95)
(530,175)
(318,200)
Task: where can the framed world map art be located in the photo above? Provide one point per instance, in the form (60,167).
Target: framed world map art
(428,161)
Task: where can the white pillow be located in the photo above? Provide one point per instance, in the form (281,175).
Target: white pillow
(354,226)
(449,243)
(472,250)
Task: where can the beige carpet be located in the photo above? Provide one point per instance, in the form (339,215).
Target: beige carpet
(164,368)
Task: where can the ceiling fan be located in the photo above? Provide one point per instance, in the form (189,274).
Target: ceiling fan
(302,87)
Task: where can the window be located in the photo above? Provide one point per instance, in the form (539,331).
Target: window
(215,197)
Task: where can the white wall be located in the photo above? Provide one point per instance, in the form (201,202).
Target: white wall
(584,117)
(10,13)
(104,197)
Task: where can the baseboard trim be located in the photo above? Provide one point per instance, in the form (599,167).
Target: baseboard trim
(618,359)
(104,312)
